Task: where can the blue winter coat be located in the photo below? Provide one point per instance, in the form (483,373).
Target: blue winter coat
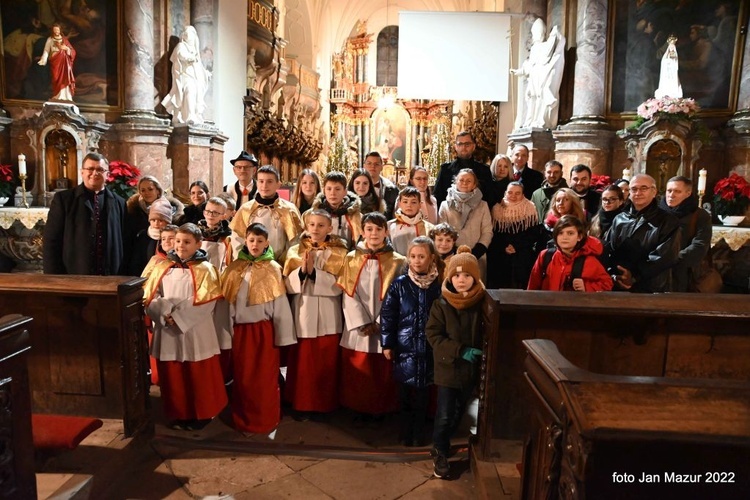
(403,318)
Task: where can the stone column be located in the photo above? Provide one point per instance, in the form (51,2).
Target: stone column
(588,138)
(197,155)
(203,20)
(140,137)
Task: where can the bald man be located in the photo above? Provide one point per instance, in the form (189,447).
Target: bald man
(643,244)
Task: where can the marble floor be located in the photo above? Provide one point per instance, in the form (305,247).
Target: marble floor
(305,459)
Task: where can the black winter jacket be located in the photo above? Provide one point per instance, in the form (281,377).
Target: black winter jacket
(403,319)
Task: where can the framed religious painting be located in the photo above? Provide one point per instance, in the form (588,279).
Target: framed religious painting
(390,134)
(84,33)
(692,45)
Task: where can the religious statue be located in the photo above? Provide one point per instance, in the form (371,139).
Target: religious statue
(186,101)
(543,70)
(669,79)
(60,54)
(251,69)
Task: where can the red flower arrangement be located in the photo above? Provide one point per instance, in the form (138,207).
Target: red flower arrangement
(123,178)
(731,195)
(6,181)
(599,182)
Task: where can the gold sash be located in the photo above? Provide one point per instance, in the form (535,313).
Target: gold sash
(266,283)
(390,266)
(206,282)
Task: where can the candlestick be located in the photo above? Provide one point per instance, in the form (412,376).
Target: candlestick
(702,173)
(626,174)
(21,164)
(23,190)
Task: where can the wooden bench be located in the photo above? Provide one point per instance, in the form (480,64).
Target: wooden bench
(603,436)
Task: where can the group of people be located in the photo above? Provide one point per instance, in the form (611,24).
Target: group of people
(368,294)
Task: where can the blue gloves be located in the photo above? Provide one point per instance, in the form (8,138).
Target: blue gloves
(471,355)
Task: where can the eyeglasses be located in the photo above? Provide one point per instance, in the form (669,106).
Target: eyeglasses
(244,167)
(463,144)
(610,200)
(212,213)
(95,170)
(641,189)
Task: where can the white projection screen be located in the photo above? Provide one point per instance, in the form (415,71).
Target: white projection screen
(456,56)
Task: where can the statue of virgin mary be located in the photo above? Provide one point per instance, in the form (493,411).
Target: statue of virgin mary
(669,79)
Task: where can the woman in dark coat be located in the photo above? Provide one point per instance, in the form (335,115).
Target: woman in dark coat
(198,198)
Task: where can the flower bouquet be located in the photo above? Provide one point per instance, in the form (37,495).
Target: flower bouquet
(672,108)
(123,178)
(7,186)
(599,182)
(731,196)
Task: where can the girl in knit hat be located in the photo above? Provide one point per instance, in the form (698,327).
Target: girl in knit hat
(147,240)
(454,330)
(402,332)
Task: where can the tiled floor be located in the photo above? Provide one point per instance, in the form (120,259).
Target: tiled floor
(309,460)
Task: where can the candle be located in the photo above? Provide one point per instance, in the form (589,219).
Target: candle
(22,164)
(702,180)
(626,174)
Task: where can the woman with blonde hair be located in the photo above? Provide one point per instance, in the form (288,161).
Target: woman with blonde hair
(500,168)
(306,189)
(564,202)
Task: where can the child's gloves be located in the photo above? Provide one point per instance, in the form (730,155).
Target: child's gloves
(471,354)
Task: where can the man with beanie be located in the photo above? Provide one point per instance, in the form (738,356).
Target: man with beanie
(454,330)
(147,240)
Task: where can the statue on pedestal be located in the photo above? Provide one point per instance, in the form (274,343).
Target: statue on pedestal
(60,54)
(669,79)
(543,70)
(186,102)
(251,69)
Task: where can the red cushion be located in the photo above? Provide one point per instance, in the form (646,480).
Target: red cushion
(52,432)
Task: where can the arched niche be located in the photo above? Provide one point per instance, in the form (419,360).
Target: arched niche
(60,150)
(663,161)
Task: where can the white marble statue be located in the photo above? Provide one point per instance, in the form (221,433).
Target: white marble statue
(251,69)
(543,70)
(669,79)
(186,101)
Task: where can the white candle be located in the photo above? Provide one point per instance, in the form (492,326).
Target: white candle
(702,180)
(22,164)
(626,174)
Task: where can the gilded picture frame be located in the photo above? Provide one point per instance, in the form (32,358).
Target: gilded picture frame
(709,47)
(390,134)
(93,29)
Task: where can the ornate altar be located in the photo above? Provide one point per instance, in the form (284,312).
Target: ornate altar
(664,148)
(55,142)
(21,237)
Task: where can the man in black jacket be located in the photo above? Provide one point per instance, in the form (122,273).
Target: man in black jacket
(465,147)
(643,244)
(523,173)
(387,191)
(580,183)
(695,224)
(245,166)
(83,234)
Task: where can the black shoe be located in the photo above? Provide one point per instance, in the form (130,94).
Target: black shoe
(442,467)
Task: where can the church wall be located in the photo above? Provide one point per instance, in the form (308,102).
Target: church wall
(229,79)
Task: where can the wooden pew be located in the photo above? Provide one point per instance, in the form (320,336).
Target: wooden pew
(89,352)
(17,479)
(604,436)
(660,335)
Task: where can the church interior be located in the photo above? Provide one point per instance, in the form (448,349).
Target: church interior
(602,396)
